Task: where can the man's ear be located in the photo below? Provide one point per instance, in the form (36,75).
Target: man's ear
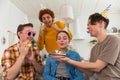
(18,33)
(102,24)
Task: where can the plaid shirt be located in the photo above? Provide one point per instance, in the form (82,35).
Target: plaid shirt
(27,70)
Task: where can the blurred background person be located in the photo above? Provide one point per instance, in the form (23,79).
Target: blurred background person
(48,30)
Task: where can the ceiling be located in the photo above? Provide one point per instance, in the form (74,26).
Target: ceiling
(80,7)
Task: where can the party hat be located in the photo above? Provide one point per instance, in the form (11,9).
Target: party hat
(105,12)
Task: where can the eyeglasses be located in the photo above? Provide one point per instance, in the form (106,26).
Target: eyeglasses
(31,33)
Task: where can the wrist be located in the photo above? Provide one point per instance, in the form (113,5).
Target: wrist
(33,61)
(21,58)
(68,60)
(58,29)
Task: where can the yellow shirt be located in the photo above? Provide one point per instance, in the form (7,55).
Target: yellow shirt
(49,38)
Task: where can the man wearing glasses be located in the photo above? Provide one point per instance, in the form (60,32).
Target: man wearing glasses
(21,61)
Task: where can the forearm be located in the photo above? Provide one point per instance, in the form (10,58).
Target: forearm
(55,26)
(38,67)
(58,29)
(83,65)
(14,70)
(86,71)
(40,42)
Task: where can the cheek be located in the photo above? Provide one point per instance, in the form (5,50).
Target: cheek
(58,42)
(43,21)
(20,36)
(66,42)
(51,19)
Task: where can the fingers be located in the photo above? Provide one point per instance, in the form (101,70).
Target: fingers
(42,28)
(24,47)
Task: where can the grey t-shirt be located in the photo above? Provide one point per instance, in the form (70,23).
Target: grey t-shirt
(61,70)
(109,52)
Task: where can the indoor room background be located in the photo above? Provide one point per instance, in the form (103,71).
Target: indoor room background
(15,12)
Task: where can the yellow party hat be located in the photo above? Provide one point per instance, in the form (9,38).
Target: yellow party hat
(105,12)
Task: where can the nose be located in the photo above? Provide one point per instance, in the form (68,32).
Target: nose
(46,19)
(88,26)
(61,40)
(32,35)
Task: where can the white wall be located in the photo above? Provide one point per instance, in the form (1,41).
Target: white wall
(10,18)
(114,20)
(81,42)
(36,24)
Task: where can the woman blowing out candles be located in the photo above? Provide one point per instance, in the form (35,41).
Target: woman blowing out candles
(55,70)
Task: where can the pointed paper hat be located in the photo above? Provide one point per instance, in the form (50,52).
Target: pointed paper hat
(105,12)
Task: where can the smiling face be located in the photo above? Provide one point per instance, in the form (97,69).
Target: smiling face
(63,40)
(96,28)
(47,19)
(97,24)
(93,28)
(26,34)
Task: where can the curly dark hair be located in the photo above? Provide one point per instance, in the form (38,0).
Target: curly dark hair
(96,17)
(46,11)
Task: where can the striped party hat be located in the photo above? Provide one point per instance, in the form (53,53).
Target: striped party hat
(105,12)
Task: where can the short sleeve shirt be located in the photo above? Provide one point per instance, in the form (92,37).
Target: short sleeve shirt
(109,52)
